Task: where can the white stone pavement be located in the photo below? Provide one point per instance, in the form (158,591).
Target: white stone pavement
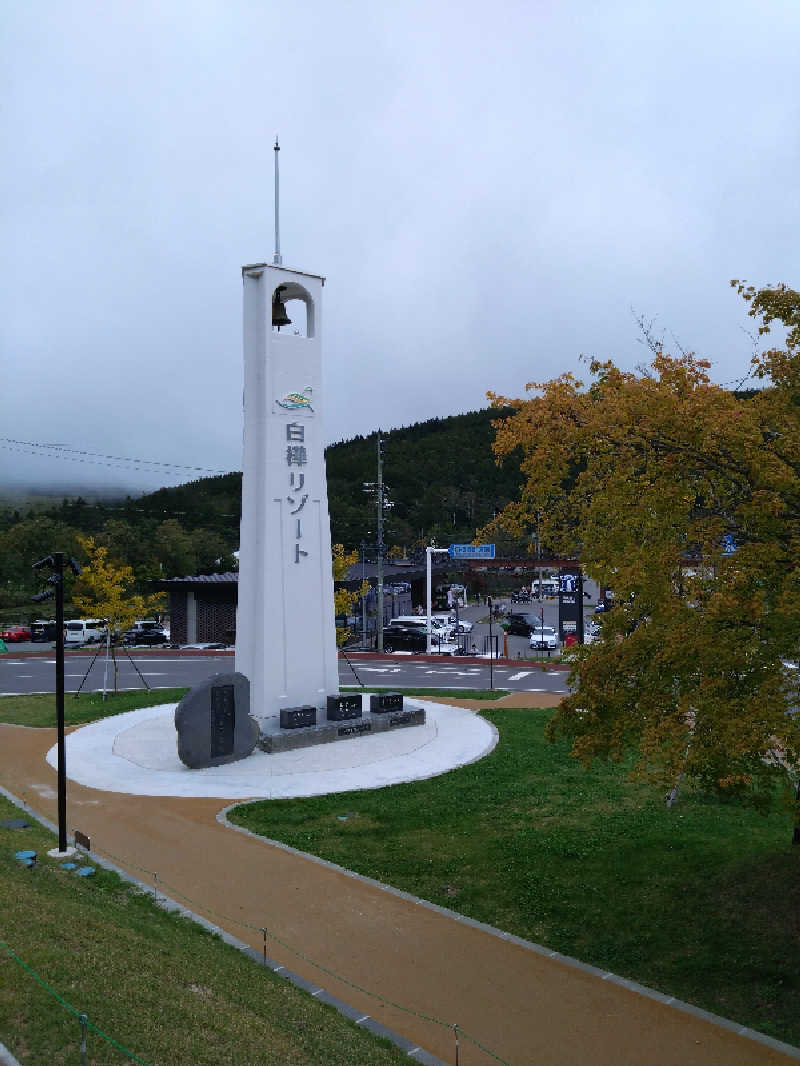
(137,753)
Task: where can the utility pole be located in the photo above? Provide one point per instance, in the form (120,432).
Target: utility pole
(363,597)
(380,545)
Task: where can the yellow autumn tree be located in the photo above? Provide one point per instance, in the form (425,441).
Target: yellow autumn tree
(683,497)
(343,599)
(103,591)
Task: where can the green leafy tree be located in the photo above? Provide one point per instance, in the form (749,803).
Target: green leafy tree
(685,499)
(21,545)
(174,549)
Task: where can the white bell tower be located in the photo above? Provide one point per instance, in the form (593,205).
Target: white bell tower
(285,632)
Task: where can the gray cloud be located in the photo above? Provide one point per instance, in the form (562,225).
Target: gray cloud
(488,192)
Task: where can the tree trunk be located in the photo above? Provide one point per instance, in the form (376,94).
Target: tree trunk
(672,795)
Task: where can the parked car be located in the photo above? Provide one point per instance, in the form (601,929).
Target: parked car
(43,629)
(520,624)
(439,626)
(79,631)
(15,634)
(544,637)
(149,623)
(149,637)
(404,638)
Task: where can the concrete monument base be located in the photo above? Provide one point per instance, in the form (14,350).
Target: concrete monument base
(274,738)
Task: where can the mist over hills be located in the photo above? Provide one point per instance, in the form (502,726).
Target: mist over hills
(441,483)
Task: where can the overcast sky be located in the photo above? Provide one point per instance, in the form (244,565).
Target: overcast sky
(490,191)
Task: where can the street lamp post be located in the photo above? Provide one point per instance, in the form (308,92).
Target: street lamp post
(429,553)
(55,563)
(491,644)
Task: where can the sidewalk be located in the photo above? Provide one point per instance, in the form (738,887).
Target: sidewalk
(521,1003)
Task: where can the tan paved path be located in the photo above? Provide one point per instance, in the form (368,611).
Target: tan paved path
(528,1009)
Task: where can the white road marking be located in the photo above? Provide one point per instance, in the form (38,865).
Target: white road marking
(520,675)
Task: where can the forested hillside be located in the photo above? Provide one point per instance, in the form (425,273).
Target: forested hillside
(441,482)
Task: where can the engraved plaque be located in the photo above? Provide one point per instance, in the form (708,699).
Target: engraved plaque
(341,708)
(223,720)
(386,702)
(298,717)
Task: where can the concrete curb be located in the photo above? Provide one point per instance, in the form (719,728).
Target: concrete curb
(6,1058)
(566,960)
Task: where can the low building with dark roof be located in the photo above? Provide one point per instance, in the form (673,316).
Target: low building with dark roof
(202,609)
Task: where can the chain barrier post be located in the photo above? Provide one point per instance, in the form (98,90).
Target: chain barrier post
(84,1021)
(455,1030)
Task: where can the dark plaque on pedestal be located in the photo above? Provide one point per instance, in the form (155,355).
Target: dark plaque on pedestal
(386,702)
(213,722)
(342,708)
(298,717)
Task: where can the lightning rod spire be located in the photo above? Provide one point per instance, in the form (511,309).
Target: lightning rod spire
(276,259)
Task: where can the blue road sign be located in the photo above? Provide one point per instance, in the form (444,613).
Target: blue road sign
(471,551)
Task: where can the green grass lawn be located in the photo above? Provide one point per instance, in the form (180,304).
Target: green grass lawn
(40,709)
(159,985)
(701,901)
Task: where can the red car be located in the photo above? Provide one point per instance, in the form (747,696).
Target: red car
(15,633)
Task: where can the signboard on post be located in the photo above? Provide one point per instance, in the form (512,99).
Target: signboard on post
(471,551)
(570,604)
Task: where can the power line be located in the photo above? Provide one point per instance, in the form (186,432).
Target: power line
(77,455)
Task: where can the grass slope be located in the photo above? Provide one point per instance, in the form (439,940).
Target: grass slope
(701,901)
(162,987)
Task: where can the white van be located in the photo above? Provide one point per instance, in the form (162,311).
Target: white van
(79,631)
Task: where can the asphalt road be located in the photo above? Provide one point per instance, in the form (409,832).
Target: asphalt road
(20,673)
(24,674)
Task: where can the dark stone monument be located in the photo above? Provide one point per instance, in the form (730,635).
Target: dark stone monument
(298,717)
(343,708)
(386,702)
(352,720)
(213,722)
